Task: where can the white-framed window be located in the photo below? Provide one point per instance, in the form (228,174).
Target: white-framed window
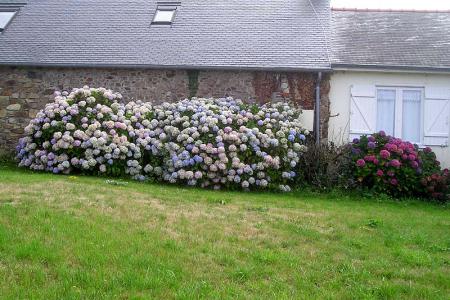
(417,114)
(400,112)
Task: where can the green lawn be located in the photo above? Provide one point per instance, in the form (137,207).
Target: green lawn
(67,237)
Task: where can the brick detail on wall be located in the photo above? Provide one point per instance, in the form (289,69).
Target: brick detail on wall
(302,89)
(24,91)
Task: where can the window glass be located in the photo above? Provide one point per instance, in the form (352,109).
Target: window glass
(164,16)
(5,17)
(386,110)
(411,120)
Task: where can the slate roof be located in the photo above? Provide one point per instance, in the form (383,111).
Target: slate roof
(392,39)
(217,34)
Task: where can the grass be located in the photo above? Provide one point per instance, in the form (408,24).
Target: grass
(65,237)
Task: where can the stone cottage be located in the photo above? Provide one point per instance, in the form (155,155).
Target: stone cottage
(161,51)
(366,70)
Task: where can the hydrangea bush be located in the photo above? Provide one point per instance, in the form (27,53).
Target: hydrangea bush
(435,182)
(393,166)
(217,143)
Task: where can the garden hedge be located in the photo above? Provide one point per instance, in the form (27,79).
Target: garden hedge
(215,143)
(200,142)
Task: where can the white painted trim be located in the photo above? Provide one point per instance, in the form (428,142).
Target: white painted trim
(388,70)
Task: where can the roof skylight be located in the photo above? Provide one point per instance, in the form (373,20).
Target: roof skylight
(165,13)
(164,16)
(5,18)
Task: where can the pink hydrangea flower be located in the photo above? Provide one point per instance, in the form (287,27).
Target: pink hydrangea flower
(385,154)
(360,163)
(369,158)
(395,163)
(391,147)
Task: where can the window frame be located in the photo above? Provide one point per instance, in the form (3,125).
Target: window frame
(173,7)
(398,108)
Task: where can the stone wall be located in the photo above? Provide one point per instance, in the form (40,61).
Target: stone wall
(23,91)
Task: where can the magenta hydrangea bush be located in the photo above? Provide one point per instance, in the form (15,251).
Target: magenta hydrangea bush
(213,143)
(390,165)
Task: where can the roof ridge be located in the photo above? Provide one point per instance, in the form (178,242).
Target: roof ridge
(389,10)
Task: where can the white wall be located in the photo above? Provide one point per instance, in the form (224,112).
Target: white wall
(341,82)
(307,119)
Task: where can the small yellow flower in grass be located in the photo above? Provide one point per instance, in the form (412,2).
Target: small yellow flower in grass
(73,177)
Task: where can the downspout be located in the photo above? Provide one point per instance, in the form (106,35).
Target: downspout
(317,109)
